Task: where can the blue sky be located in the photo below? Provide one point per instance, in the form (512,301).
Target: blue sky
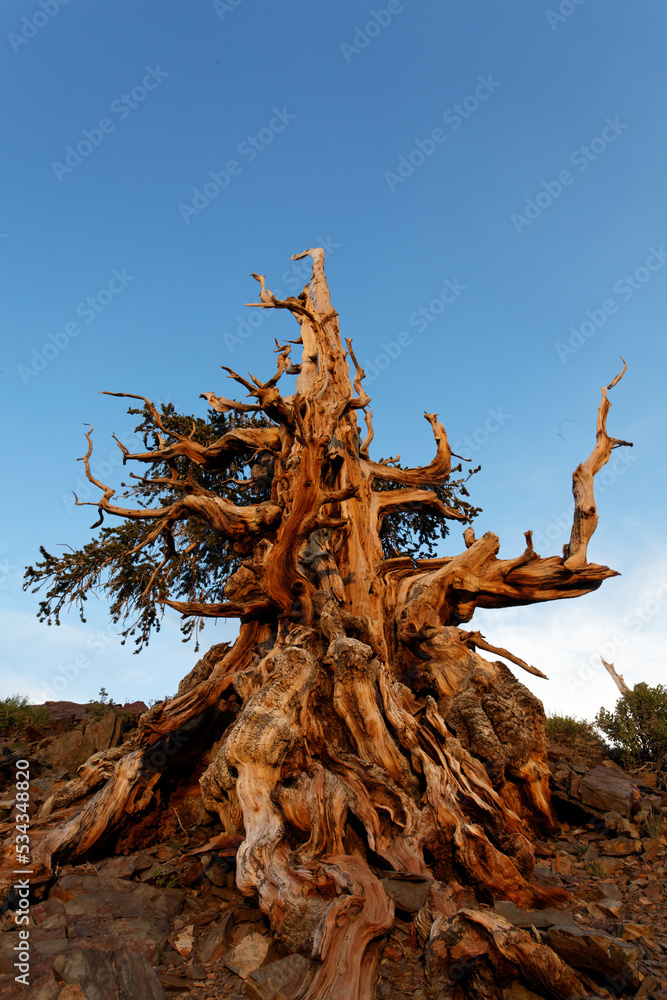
(488,180)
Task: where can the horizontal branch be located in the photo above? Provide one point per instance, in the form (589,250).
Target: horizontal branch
(385,502)
(233,522)
(447,590)
(225,609)
(217,455)
(223,405)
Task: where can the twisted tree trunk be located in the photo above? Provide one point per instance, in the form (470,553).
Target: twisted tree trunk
(353,726)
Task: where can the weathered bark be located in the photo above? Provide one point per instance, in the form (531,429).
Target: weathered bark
(352,711)
(617,678)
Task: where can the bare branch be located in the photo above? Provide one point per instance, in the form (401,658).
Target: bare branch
(585,510)
(270,400)
(363,399)
(233,522)
(217,455)
(227,609)
(363,451)
(393,501)
(436,471)
(617,678)
(475,640)
(222,405)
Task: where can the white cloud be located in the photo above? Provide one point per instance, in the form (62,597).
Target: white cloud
(624,621)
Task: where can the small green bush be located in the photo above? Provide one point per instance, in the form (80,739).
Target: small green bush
(638,725)
(15,712)
(576,735)
(99,708)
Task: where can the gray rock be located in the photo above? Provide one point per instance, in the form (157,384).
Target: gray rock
(217,943)
(112,914)
(203,668)
(74,747)
(69,886)
(528,918)
(92,970)
(278,980)
(607,789)
(597,952)
(46,943)
(136,979)
(408,892)
(118,867)
(46,989)
(48,915)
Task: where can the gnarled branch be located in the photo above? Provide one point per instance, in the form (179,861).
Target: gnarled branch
(585,511)
(436,471)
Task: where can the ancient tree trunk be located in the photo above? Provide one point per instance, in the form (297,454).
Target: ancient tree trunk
(352,727)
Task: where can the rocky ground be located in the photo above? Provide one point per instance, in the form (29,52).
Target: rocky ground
(167,920)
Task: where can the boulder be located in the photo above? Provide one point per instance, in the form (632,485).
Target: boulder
(248,955)
(73,748)
(408,891)
(96,975)
(136,979)
(594,951)
(92,971)
(203,668)
(112,914)
(621,847)
(608,789)
(528,918)
(278,980)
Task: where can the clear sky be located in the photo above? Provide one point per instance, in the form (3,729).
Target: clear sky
(489,182)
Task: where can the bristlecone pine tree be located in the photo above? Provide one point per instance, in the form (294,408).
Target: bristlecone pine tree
(352,729)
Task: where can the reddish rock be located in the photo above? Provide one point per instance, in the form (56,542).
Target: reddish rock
(217,944)
(621,847)
(608,789)
(609,865)
(562,864)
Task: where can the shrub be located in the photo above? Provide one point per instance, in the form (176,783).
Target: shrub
(15,713)
(638,725)
(577,736)
(99,708)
